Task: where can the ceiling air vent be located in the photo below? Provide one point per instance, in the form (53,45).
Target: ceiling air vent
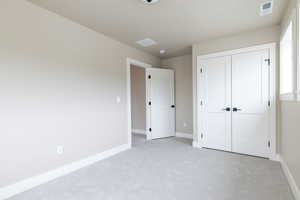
(146,42)
(266,8)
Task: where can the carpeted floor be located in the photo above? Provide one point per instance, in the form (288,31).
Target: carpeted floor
(169,169)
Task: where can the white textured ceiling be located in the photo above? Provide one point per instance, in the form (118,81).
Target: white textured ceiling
(174,24)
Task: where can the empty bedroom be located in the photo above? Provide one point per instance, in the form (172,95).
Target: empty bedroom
(149,100)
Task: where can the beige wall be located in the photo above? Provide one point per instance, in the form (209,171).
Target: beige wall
(251,38)
(183,91)
(290,11)
(290,118)
(59,82)
(290,137)
(247,39)
(138,98)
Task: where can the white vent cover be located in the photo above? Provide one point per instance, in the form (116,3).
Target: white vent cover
(146,42)
(162,51)
(266,8)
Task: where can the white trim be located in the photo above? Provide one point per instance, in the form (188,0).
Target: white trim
(137,63)
(148,108)
(273,99)
(130,62)
(196,145)
(139,131)
(290,178)
(273,91)
(277,158)
(195,96)
(199,110)
(297,38)
(290,97)
(184,135)
(238,51)
(30,183)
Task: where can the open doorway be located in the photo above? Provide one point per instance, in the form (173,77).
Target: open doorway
(137,110)
(151,103)
(138,104)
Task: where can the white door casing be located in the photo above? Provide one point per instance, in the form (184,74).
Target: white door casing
(161,103)
(258,114)
(129,63)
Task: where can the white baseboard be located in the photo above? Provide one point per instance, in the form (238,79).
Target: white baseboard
(276,158)
(178,134)
(196,145)
(290,179)
(139,131)
(30,183)
(184,135)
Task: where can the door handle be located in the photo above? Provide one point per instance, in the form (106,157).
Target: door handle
(172,106)
(226,109)
(236,109)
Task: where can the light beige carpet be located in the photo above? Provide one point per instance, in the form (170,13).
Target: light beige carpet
(169,169)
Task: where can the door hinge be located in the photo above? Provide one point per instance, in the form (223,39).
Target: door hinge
(150,129)
(150,103)
(269,103)
(149,77)
(269,144)
(201,135)
(268,61)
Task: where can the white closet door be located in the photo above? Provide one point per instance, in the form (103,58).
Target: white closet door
(216,85)
(160,89)
(250,96)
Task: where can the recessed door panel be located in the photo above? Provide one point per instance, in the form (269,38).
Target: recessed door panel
(250,95)
(216,76)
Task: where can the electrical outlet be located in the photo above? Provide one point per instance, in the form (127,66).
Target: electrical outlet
(60,150)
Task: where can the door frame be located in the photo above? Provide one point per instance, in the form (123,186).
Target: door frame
(129,63)
(273,94)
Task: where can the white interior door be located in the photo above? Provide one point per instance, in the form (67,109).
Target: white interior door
(160,94)
(250,96)
(216,104)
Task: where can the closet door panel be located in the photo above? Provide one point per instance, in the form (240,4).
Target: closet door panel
(216,76)
(250,95)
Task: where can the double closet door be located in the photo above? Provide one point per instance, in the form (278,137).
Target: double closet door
(235,102)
